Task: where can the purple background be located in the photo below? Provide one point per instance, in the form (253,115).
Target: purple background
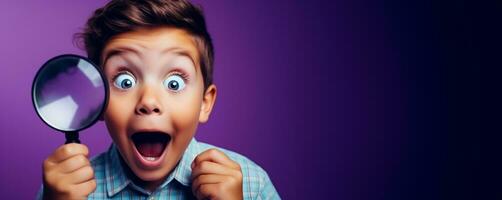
(335,99)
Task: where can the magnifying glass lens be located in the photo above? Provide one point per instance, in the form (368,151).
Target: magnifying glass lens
(69,93)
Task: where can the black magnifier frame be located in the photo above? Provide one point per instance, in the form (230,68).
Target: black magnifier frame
(71,136)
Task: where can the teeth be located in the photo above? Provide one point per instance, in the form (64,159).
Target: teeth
(150,158)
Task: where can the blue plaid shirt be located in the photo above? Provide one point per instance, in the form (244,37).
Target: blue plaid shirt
(113,183)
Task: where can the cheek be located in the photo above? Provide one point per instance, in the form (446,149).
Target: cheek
(185,113)
(117,114)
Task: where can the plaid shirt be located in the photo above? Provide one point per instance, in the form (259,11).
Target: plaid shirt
(113,182)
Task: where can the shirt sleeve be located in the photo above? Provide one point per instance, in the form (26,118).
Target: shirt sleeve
(268,190)
(256,182)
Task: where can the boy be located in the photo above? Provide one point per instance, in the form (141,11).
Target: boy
(158,58)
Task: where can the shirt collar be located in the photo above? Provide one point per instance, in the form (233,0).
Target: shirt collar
(116,176)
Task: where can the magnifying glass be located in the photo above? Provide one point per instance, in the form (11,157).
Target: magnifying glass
(69,94)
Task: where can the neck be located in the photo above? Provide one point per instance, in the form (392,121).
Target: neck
(147,185)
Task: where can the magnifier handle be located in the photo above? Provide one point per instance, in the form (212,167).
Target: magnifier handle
(72,137)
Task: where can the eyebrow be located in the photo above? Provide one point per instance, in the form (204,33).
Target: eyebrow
(176,50)
(118,51)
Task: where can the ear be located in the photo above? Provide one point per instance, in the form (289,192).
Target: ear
(207,103)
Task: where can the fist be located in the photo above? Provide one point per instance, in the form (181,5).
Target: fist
(215,176)
(68,174)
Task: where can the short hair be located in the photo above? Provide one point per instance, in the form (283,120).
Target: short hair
(120,16)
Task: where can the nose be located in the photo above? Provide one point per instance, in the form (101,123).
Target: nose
(148,103)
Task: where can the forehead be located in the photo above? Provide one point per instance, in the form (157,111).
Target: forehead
(148,41)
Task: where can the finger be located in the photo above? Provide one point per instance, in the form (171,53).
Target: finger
(208,167)
(73,163)
(68,150)
(216,156)
(208,179)
(80,175)
(206,191)
(85,188)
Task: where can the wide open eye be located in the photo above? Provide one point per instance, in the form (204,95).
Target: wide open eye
(124,81)
(175,83)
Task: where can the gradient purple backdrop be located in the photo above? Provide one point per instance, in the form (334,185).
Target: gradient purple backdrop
(325,96)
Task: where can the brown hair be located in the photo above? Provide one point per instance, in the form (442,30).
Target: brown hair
(119,16)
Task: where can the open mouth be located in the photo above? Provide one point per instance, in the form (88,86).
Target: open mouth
(151,145)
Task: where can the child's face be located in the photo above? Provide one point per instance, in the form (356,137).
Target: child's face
(157,98)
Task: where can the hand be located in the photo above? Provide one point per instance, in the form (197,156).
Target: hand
(68,173)
(215,176)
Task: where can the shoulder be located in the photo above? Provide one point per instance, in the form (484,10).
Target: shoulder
(99,164)
(256,181)
(98,161)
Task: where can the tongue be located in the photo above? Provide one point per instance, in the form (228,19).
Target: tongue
(151,149)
